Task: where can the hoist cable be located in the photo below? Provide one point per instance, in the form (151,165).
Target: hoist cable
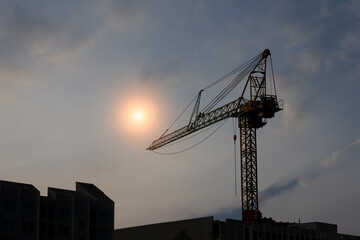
(235,169)
(179,115)
(232,84)
(272,73)
(246,68)
(229,74)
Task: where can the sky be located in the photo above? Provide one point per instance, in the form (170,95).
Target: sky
(72,73)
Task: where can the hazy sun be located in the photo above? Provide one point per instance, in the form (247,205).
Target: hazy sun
(136,114)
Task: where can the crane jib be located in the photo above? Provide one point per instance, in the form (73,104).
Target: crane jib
(202,120)
(235,108)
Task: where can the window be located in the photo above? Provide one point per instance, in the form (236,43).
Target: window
(92,217)
(29,209)
(104,217)
(43,211)
(104,235)
(51,230)
(42,229)
(255,236)
(9,225)
(64,212)
(81,223)
(28,227)
(51,212)
(63,230)
(9,206)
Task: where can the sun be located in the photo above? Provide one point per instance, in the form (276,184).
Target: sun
(139,116)
(136,114)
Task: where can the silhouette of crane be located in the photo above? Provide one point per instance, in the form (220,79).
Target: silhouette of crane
(252,113)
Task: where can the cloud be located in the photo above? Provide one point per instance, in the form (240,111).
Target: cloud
(317,46)
(351,40)
(307,180)
(308,176)
(298,33)
(298,115)
(309,61)
(298,107)
(22,35)
(74,48)
(276,189)
(123,15)
(23,31)
(273,190)
(12,74)
(28,34)
(336,157)
(59,34)
(160,73)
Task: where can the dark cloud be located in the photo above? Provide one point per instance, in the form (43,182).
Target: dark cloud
(308,175)
(277,189)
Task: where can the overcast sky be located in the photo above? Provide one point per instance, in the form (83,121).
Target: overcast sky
(70,69)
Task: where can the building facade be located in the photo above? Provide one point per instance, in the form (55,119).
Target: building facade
(84,214)
(19,211)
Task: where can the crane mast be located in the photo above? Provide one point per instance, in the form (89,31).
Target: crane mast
(252,113)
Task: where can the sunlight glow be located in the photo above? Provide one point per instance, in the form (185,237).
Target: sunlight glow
(136,114)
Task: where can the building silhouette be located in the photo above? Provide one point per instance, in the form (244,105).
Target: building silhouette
(19,211)
(86,213)
(209,229)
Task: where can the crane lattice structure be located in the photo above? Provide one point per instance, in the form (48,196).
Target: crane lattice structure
(252,113)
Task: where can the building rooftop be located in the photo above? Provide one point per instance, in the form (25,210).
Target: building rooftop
(92,190)
(63,191)
(16,184)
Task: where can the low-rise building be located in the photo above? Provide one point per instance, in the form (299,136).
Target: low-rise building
(86,213)
(209,229)
(19,211)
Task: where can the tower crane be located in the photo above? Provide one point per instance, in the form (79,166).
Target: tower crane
(252,113)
